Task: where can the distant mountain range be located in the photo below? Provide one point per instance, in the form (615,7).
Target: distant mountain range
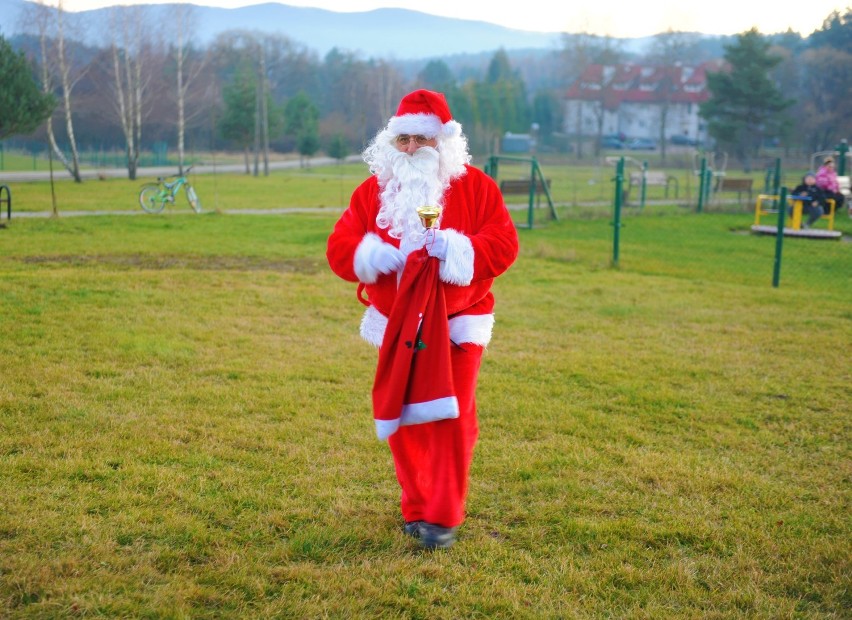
(393,34)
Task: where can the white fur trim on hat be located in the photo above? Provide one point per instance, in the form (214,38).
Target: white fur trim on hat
(452,129)
(421,124)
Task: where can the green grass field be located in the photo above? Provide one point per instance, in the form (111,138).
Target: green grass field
(185,425)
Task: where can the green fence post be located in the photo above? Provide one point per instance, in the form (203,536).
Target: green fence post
(702,190)
(777,180)
(537,171)
(616,224)
(644,185)
(491,167)
(776,184)
(532,194)
(779,237)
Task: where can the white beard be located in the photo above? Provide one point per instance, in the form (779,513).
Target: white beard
(414,182)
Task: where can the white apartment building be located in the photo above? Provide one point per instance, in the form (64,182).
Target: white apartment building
(634,101)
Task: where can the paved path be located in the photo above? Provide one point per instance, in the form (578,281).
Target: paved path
(281,211)
(59,174)
(163,171)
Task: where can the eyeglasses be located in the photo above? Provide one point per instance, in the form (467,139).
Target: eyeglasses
(404,140)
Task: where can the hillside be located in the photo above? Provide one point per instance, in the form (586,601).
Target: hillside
(373,34)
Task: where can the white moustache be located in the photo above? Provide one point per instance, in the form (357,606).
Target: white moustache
(424,161)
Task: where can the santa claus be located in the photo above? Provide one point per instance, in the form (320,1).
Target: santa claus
(429,301)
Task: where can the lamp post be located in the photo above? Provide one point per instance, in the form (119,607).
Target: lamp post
(533,137)
(842,149)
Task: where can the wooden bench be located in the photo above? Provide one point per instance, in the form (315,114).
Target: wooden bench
(653,178)
(522,186)
(740,186)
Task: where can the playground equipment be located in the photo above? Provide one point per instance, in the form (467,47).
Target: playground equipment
(708,171)
(840,153)
(642,178)
(768,203)
(533,186)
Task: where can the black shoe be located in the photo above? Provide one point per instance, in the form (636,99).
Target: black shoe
(412,528)
(436,536)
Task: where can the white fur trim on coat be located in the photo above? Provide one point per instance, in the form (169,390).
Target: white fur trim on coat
(373,325)
(472,328)
(458,266)
(363,258)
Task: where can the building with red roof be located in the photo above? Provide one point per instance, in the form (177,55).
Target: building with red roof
(639,101)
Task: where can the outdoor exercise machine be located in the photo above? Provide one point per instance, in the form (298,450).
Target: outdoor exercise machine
(642,178)
(704,166)
(533,186)
(840,153)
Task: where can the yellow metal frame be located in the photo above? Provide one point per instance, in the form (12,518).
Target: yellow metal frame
(795,219)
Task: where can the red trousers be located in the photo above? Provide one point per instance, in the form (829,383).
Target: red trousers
(432,460)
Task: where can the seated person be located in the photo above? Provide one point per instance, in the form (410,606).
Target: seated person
(812,197)
(826,180)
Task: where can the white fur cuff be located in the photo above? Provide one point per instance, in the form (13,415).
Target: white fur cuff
(373,325)
(458,266)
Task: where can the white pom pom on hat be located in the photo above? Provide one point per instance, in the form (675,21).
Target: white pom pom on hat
(426,113)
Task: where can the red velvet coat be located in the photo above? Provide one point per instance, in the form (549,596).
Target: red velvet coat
(473,208)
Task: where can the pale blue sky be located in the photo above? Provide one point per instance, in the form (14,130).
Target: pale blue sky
(617,18)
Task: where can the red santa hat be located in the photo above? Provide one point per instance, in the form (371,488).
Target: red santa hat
(425,113)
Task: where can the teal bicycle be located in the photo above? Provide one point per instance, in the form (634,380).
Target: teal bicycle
(153,197)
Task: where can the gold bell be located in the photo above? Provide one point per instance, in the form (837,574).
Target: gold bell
(428,215)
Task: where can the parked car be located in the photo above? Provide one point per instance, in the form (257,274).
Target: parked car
(642,144)
(683,140)
(611,142)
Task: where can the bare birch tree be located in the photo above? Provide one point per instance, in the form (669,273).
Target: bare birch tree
(50,21)
(262,118)
(129,47)
(187,69)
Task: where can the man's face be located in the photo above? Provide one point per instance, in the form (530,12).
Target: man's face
(409,144)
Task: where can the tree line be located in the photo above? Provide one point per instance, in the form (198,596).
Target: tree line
(149,85)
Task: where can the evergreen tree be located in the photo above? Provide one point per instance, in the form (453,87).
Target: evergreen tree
(437,76)
(547,113)
(301,120)
(23,106)
(338,147)
(836,32)
(745,107)
(238,122)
